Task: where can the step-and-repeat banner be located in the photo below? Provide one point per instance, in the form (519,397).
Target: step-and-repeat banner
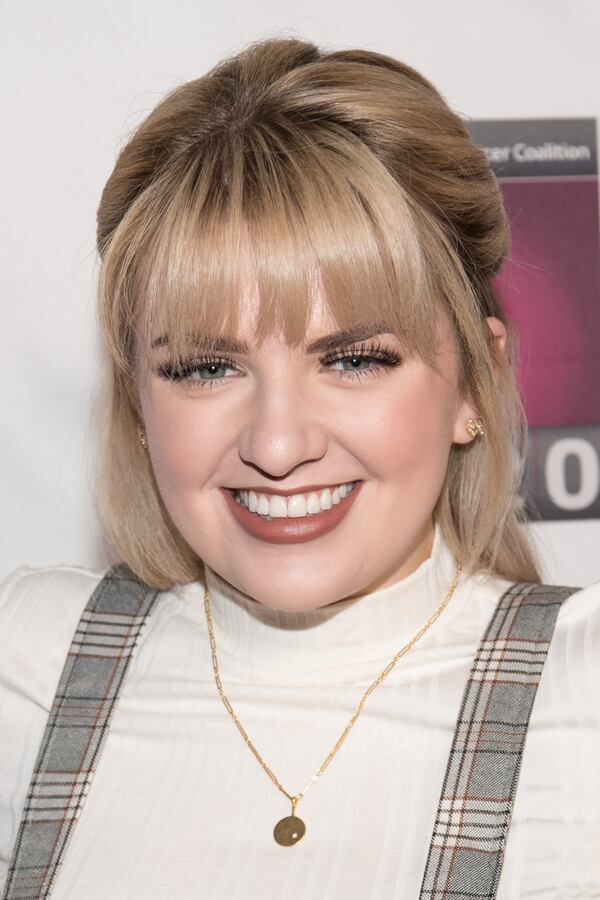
(550,287)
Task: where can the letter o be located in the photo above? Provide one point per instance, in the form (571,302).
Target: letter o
(554,473)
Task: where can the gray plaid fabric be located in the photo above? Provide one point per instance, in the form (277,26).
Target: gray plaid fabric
(77,727)
(473,817)
(465,856)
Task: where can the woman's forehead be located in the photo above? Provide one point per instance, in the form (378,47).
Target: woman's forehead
(323,334)
(320,311)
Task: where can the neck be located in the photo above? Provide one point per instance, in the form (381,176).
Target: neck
(343,642)
(420,551)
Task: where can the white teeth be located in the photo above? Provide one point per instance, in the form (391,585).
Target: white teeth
(312,504)
(277,506)
(296,506)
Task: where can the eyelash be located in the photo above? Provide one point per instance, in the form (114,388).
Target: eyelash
(386,358)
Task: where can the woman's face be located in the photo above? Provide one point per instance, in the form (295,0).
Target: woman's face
(282,422)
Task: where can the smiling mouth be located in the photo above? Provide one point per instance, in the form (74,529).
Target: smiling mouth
(293,506)
(292,522)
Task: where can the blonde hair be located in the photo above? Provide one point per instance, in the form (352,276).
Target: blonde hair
(347,166)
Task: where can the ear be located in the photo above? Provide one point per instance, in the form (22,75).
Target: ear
(498,335)
(466,410)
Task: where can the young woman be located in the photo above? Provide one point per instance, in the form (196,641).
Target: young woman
(312,672)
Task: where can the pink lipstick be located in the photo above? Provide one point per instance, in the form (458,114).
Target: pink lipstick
(295,530)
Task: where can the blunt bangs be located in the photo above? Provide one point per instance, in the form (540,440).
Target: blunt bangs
(286,219)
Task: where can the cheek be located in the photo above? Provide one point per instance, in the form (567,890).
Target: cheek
(410,434)
(185,445)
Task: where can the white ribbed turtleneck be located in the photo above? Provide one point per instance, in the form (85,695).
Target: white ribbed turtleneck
(347,642)
(180,807)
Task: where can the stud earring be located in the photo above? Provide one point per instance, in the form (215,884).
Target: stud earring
(475,427)
(142,436)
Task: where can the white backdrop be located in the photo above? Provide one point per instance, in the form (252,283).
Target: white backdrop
(78,76)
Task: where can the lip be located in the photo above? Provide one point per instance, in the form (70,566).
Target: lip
(302,489)
(297,530)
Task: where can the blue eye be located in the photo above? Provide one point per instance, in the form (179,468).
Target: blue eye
(188,368)
(382,358)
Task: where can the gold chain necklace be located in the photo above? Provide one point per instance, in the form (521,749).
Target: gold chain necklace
(289,830)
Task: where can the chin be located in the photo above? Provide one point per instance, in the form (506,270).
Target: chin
(299,598)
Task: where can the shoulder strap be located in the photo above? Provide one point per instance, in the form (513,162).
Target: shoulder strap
(471,826)
(77,726)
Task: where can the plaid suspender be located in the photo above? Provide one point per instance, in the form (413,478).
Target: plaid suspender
(77,727)
(471,826)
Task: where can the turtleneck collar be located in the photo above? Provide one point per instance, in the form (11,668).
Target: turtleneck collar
(348,641)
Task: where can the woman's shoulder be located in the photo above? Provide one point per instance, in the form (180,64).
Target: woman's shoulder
(30,589)
(579,609)
(573,657)
(40,608)
(66,573)
(581,605)
(578,604)
(576,633)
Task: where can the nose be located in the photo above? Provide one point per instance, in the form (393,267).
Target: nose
(281,430)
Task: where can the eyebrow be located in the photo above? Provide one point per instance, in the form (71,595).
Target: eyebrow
(320,345)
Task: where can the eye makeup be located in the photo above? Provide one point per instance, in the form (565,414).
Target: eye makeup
(375,352)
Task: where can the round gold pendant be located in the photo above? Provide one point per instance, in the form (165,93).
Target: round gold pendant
(289,831)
